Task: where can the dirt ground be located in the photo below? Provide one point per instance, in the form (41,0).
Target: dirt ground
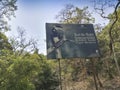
(113,84)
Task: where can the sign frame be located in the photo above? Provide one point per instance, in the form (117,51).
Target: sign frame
(71,41)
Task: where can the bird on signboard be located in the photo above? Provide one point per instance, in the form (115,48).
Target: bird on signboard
(57,36)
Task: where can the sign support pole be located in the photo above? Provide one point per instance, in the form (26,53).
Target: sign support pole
(94,73)
(60,80)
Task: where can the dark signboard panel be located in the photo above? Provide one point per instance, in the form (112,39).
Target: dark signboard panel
(71,41)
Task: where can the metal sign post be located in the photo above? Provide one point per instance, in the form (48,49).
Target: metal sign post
(94,73)
(60,78)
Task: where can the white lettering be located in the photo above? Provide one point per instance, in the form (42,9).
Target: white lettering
(84,38)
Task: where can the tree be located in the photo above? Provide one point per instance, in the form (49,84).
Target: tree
(47,79)
(79,67)
(113,20)
(72,14)
(21,45)
(4,44)
(7,8)
(29,72)
(21,65)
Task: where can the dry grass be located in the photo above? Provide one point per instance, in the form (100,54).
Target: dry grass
(88,84)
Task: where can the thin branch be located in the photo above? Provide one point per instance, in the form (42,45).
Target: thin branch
(100,10)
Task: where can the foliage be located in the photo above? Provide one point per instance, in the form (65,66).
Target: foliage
(72,14)
(30,72)
(105,67)
(109,61)
(21,43)
(4,44)
(21,69)
(7,8)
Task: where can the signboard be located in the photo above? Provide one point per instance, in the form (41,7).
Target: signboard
(71,41)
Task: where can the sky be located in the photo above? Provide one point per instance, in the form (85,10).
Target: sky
(33,14)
